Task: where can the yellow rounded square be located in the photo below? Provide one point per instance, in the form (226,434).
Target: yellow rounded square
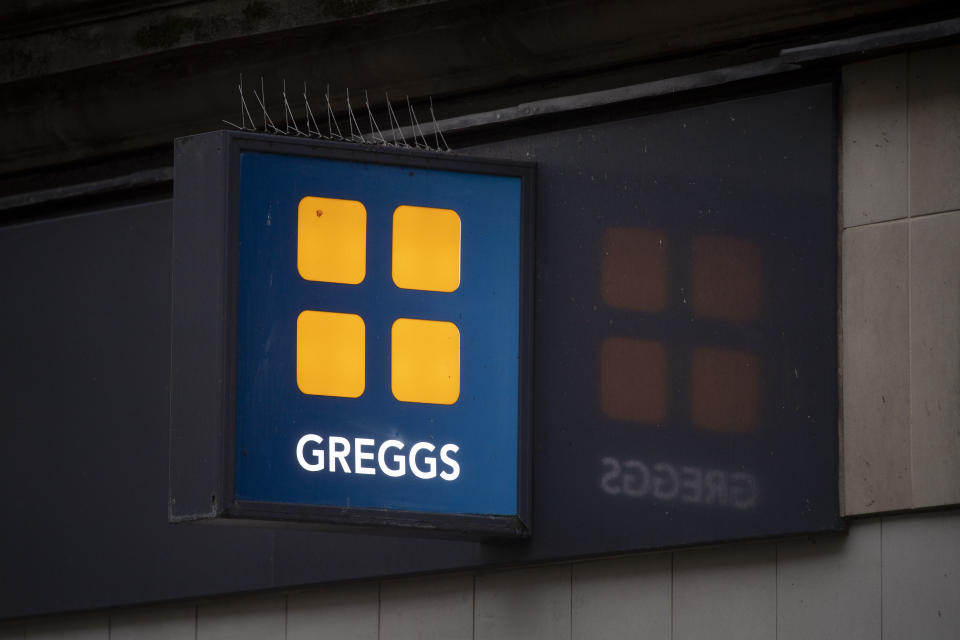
(426,248)
(425,361)
(331,353)
(331,240)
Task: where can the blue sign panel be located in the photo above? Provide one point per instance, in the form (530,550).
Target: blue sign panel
(378,335)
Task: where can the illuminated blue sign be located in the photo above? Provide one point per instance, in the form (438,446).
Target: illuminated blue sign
(380,335)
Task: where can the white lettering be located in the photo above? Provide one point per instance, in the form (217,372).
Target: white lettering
(339,450)
(429,460)
(359,455)
(401,469)
(454,471)
(389,457)
(317,453)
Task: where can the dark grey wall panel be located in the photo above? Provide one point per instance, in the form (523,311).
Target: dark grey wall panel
(85,381)
(741,193)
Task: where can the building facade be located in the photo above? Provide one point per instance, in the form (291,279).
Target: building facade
(93,95)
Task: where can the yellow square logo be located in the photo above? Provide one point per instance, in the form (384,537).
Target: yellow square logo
(425,361)
(332,240)
(426,248)
(331,351)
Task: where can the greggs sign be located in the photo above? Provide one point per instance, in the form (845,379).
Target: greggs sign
(377,333)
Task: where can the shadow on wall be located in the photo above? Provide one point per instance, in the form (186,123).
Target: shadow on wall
(720,278)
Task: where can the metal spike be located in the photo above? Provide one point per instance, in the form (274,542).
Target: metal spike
(268,126)
(358,136)
(288,115)
(417,132)
(283,96)
(332,119)
(437,133)
(398,140)
(244,111)
(315,130)
(374,129)
(243,102)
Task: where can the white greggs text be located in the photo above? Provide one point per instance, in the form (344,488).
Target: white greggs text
(367,458)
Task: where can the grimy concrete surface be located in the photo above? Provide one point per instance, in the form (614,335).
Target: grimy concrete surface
(97,78)
(900,301)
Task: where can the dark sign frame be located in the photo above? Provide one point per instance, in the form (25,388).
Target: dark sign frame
(204,341)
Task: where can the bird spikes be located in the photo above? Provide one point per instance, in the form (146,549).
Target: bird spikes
(411,136)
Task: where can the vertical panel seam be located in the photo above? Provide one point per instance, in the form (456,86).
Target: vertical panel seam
(841,225)
(473,619)
(881,578)
(672,592)
(776,591)
(909,65)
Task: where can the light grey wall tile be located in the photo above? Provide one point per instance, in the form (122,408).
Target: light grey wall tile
(725,593)
(934,119)
(620,598)
(347,612)
(921,576)
(873,152)
(241,618)
(80,628)
(525,604)
(430,608)
(155,623)
(829,586)
(875,368)
(935,358)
